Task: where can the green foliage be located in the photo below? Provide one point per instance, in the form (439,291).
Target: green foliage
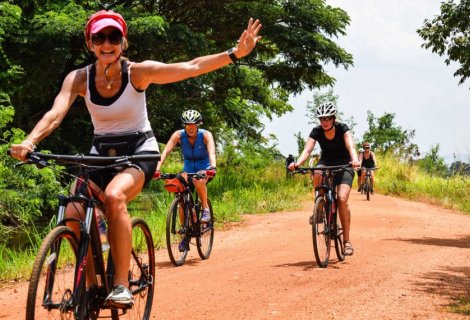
(300,142)
(297,42)
(405,179)
(386,136)
(432,163)
(448,34)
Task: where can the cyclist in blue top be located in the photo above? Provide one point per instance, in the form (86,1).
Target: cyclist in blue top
(198,149)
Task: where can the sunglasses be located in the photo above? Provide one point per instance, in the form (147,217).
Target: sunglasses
(114,37)
(325,118)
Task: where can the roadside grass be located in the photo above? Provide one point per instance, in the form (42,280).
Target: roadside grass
(232,194)
(461,306)
(408,181)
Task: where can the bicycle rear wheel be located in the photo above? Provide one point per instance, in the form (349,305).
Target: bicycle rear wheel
(141,271)
(339,240)
(205,239)
(52,280)
(175,233)
(320,233)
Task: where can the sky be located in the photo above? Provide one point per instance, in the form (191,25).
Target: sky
(392,73)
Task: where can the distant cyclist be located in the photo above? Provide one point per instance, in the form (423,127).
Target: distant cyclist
(337,148)
(198,149)
(367,159)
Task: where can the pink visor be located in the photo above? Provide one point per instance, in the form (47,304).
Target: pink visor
(99,25)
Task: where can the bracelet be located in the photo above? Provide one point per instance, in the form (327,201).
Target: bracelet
(232,55)
(33,146)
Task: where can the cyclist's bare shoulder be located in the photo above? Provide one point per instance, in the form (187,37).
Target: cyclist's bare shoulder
(76,81)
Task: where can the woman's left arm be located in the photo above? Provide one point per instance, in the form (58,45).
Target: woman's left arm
(210,144)
(348,141)
(148,72)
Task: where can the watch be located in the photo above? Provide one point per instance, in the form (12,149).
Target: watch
(232,55)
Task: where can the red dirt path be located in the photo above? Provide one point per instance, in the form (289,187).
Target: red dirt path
(411,261)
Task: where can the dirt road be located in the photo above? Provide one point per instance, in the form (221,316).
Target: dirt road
(411,261)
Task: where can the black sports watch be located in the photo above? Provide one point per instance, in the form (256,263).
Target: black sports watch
(232,55)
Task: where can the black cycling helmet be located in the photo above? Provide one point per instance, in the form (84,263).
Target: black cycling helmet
(326,110)
(191,117)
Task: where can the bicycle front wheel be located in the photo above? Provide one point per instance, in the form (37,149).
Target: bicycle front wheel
(175,233)
(205,239)
(339,240)
(141,271)
(321,233)
(367,187)
(52,280)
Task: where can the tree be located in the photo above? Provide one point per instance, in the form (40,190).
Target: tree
(386,136)
(433,163)
(448,34)
(298,39)
(320,98)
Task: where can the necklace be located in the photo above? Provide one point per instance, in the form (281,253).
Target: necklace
(109,82)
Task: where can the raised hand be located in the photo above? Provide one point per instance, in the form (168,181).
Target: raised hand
(249,38)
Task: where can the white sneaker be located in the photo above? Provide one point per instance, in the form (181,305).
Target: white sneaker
(120,296)
(206,215)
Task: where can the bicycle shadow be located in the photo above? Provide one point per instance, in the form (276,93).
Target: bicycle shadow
(462,242)
(169,265)
(311,264)
(452,283)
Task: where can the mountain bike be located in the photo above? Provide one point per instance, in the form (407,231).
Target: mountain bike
(325,223)
(184,218)
(367,184)
(58,282)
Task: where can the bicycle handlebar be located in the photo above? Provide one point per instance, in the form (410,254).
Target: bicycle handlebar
(338,168)
(196,175)
(41,159)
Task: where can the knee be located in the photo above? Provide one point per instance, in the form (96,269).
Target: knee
(114,200)
(342,200)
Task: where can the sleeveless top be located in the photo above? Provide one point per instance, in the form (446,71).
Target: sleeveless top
(195,157)
(367,162)
(333,152)
(126,112)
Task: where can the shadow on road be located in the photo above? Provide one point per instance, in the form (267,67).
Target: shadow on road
(462,242)
(450,282)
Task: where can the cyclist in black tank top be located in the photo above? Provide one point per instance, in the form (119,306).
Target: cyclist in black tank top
(367,160)
(337,148)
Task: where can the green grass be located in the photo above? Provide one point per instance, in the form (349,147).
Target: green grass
(408,181)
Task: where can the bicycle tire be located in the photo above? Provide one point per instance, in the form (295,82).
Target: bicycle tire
(320,233)
(175,233)
(205,237)
(141,271)
(52,277)
(339,240)
(367,187)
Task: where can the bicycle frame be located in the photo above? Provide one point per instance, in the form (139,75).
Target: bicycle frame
(77,301)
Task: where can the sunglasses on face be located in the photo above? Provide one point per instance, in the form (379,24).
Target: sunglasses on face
(325,118)
(114,37)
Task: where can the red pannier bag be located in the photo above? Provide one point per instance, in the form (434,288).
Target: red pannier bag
(174,185)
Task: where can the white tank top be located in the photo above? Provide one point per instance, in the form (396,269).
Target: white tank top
(126,112)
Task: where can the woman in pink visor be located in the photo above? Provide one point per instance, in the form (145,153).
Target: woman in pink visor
(114,92)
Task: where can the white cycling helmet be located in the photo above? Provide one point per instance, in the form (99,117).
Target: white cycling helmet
(326,110)
(191,117)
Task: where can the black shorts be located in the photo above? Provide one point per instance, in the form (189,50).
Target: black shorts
(345,176)
(103,177)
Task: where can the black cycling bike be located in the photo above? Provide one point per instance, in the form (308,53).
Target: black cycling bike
(366,187)
(184,219)
(325,223)
(58,286)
